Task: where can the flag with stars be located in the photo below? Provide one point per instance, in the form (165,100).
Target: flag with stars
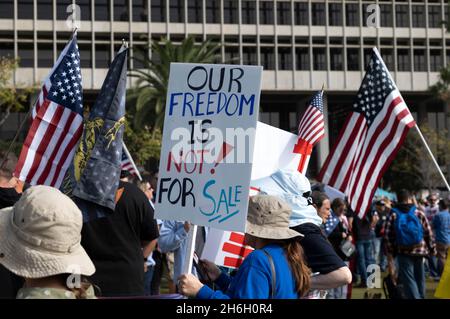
(57,123)
(310,131)
(373,133)
(93,178)
(331,224)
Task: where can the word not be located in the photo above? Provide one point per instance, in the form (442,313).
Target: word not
(212,103)
(219,198)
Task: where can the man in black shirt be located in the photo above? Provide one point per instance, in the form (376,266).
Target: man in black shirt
(115,243)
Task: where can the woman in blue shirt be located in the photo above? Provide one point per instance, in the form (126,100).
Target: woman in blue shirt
(276,269)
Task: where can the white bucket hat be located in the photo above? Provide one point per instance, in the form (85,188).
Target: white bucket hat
(41,235)
(268,217)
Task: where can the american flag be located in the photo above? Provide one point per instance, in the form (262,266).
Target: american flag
(128,163)
(331,224)
(370,138)
(57,123)
(310,130)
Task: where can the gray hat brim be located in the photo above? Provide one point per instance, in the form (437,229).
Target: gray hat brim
(271,233)
(30,262)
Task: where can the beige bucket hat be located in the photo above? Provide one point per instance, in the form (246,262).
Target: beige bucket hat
(268,217)
(41,235)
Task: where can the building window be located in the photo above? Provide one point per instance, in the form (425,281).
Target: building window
(232,55)
(25,9)
(418,16)
(140,10)
(435,60)
(284,58)
(367,56)
(352,14)
(319,59)
(248,12)
(318,14)
(266,12)
(230,11)
(26,55)
(336,59)
(85,55)
(158,11)
(403,61)
(386,15)
(352,59)
(213,11)
(45,55)
(402,16)
(250,56)
(102,56)
(301,13)
(434,17)
(176,9)
(283,13)
(7,50)
(7,11)
(268,58)
(195,14)
(85,6)
(102,12)
(420,60)
(335,14)
(388,58)
(140,54)
(120,10)
(44,10)
(302,58)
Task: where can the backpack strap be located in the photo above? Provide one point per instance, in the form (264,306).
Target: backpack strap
(274,276)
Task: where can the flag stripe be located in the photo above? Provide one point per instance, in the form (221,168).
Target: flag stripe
(54,113)
(68,117)
(326,166)
(344,148)
(315,122)
(309,114)
(23,165)
(386,147)
(377,135)
(66,158)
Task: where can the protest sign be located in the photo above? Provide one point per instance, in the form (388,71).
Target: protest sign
(208,139)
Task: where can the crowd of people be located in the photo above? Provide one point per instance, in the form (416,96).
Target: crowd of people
(306,244)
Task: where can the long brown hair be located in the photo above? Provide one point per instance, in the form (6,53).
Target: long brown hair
(297,263)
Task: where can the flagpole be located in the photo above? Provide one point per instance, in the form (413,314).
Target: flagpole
(432,156)
(131,160)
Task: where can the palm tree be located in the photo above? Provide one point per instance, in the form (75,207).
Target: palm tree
(149,94)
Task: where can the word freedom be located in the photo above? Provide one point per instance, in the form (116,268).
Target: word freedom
(211,103)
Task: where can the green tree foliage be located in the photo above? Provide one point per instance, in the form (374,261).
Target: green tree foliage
(147,100)
(12,99)
(412,168)
(142,144)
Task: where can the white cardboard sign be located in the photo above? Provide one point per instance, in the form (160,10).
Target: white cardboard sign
(208,139)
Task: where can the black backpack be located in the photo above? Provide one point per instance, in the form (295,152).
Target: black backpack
(391,290)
